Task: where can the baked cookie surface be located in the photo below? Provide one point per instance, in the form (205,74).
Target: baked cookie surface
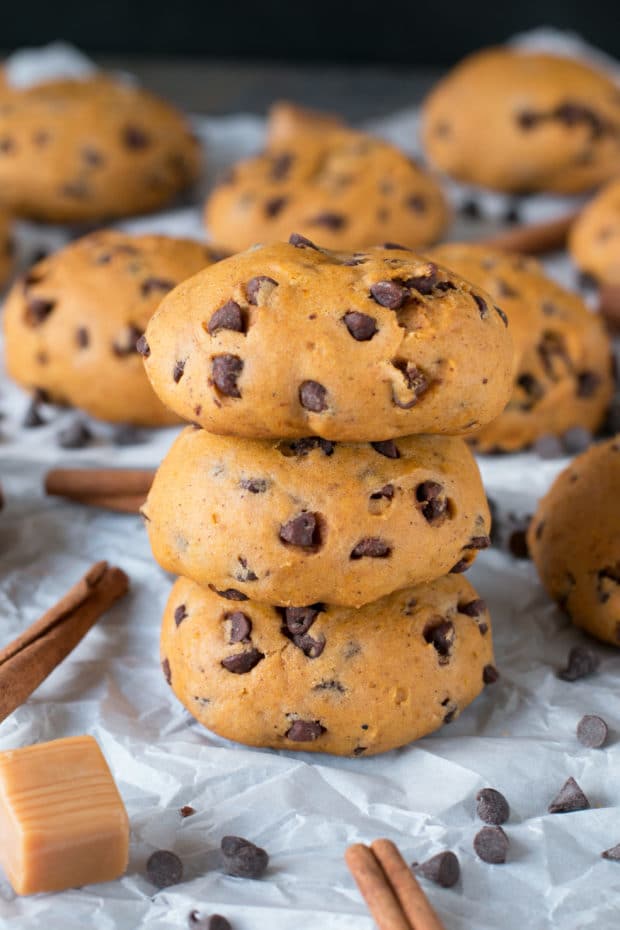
(310,520)
(594,240)
(574,540)
(290,340)
(329,182)
(325,679)
(72,322)
(563,360)
(521,121)
(73,151)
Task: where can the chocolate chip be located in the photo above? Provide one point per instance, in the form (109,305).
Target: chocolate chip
(517,544)
(570,798)
(361,326)
(75,436)
(312,396)
(254,485)
(581,663)
(417,203)
(531,386)
(213,922)
(501,315)
(142,347)
(387,447)
(156,285)
(329,685)
(443,869)
(275,205)
(389,294)
(244,573)
(298,620)
(303,446)
(490,674)
(38,309)
(440,633)
(311,647)
(333,221)
(281,165)
(178,370)
(384,493)
(303,530)
(433,506)
(478,542)
(242,662)
(82,337)
(613,853)
(92,156)
(300,242)
(592,731)
(415,380)
(461,566)
(180,614)
(255,285)
(226,370)
(164,868)
(242,858)
(135,138)
(126,343)
(482,305)
(492,806)
(230,594)
(371,547)
(186,811)
(240,627)
(305,731)
(229,316)
(587,383)
(473,608)
(32,417)
(165,667)
(577,439)
(548,447)
(491,845)
(127,435)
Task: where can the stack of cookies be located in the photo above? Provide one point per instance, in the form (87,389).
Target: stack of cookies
(322,509)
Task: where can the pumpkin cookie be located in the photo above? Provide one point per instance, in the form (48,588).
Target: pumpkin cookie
(594,241)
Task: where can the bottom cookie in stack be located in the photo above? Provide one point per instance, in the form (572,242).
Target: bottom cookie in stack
(328,679)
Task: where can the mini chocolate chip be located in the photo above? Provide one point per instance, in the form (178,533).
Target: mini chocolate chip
(587,383)
(134,137)
(298,620)
(300,242)
(280,166)
(240,627)
(254,485)
(38,309)
(275,205)
(581,663)
(242,858)
(142,347)
(82,337)
(473,608)
(443,869)
(490,674)
(212,922)
(254,286)
(244,573)
(570,798)
(592,731)
(387,447)
(230,594)
(32,417)
(492,806)
(330,685)
(75,436)
(178,370)
(164,868)
(226,370)
(577,439)
(305,731)
(187,811)
(440,633)
(126,343)
(312,396)
(613,853)
(371,547)
(242,662)
(303,530)
(501,315)
(361,326)
(180,614)
(333,221)
(389,294)
(229,316)
(491,845)
(165,667)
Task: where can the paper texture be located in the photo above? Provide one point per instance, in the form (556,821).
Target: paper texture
(304,809)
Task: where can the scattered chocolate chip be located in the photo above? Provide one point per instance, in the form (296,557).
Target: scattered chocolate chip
(164,868)
(312,396)
(32,417)
(491,845)
(440,633)
(298,620)
(361,326)
(242,662)
(212,922)
(490,674)
(592,731)
(225,371)
(180,614)
(434,506)
(135,138)
(254,485)
(587,383)
(75,436)
(305,731)
(275,205)
(482,305)
(577,439)
(613,853)
(229,316)
(389,294)
(548,447)
(38,309)
(517,544)
(255,285)
(300,242)
(443,869)
(371,547)
(178,370)
(492,806)
(142,347)
(242,858)
(387,447)
(303,530)
(581,663)
(230,594)
(570,798)
(240,627)
(126,343)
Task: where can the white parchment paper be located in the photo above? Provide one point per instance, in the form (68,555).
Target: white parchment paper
(519,736)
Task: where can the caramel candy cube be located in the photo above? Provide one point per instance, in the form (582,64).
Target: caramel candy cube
(62,821)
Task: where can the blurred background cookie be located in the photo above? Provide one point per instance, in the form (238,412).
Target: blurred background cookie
(594,240)
(522,121)
(72,322)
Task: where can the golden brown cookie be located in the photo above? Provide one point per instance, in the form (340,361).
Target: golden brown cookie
(84,150)
(522,121)
(594,240)
(328,679)
(290,340)
(72,322)
(344,187)
(298,522)
(563,363)
(574,539)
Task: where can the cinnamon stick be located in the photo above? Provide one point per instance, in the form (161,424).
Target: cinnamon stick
(412,899)
(36,652)
(376,889)
(534,238)
(120,489)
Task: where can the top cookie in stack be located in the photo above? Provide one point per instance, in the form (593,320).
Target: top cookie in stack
(323,606)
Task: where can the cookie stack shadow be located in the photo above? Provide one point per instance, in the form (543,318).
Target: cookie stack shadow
(322,509)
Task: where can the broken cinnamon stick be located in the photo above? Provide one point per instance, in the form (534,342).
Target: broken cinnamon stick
(120,489)
(534,238)
(29,659)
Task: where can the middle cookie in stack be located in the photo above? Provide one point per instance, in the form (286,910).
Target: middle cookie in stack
(296,624)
